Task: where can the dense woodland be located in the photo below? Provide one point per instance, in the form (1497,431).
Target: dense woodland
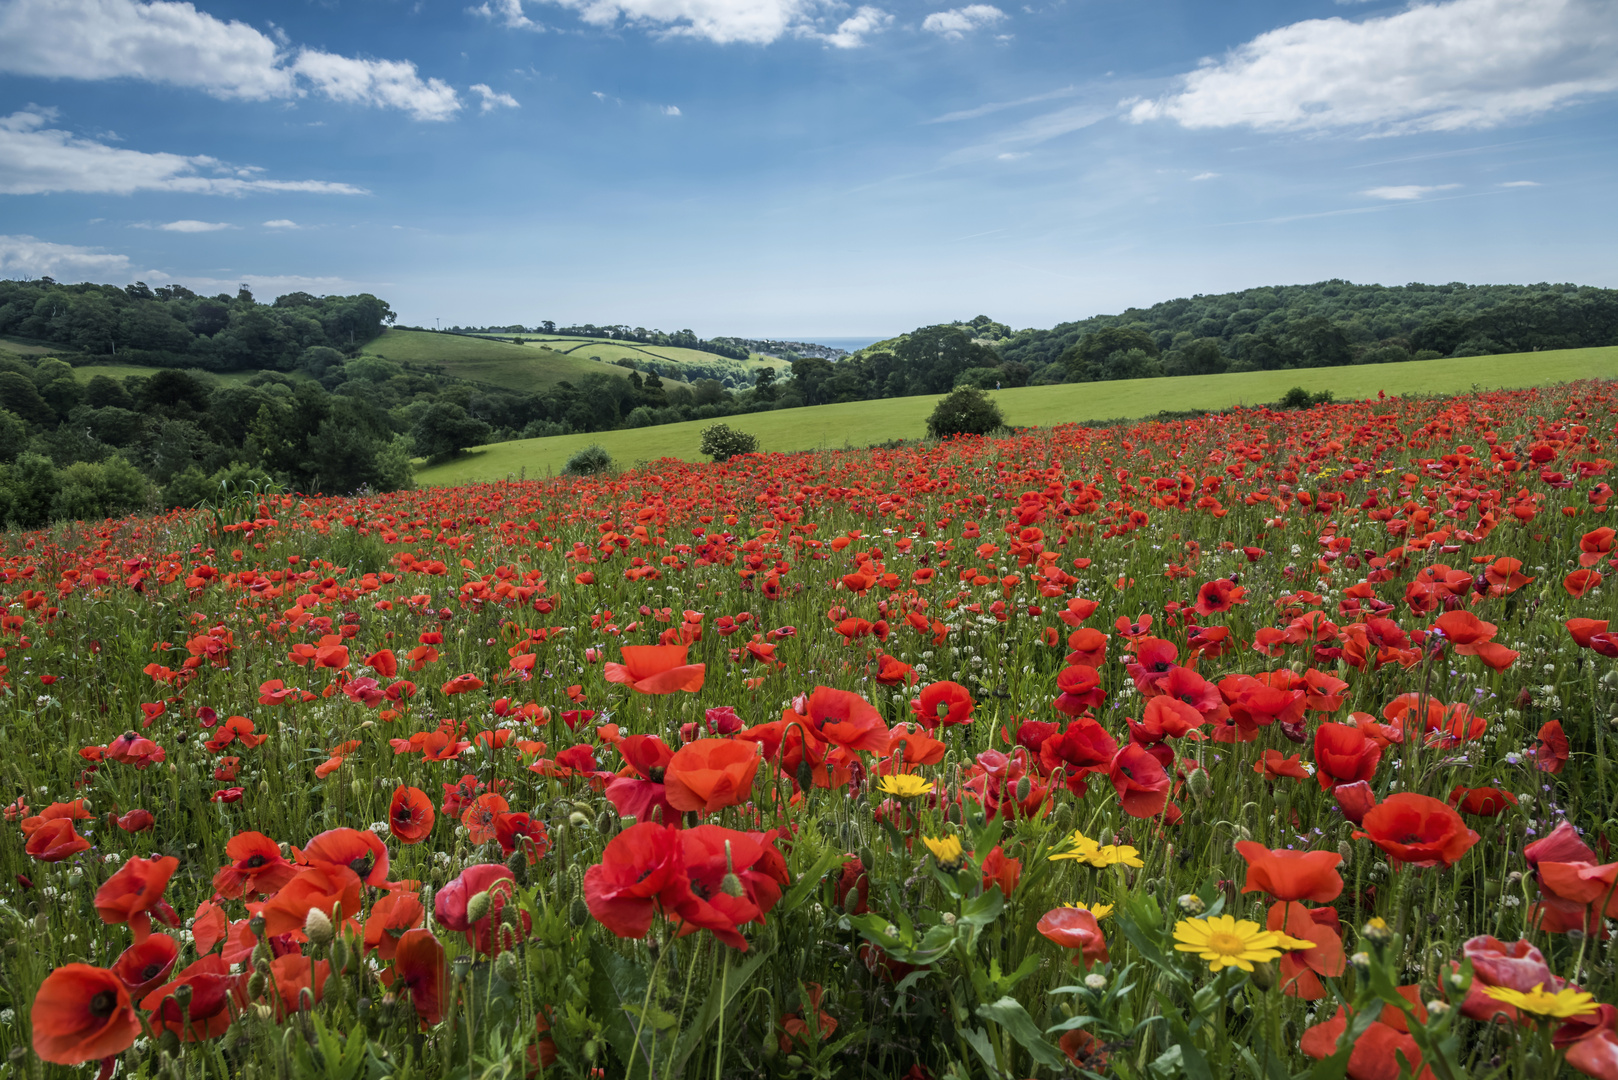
(316,415)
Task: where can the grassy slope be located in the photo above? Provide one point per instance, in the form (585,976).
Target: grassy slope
(862,423)
(518,367)
(610,350)
(123,371)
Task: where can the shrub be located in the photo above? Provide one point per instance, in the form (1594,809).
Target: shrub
(589,461)
(1299,398)
(966,410)
(723,442)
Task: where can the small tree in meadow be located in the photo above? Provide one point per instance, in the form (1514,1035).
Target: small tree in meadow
(723,442)
(965,410)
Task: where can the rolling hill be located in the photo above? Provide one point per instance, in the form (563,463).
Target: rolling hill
(863,423)
(517,367)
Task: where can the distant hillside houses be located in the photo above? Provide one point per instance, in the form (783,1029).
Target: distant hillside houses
(785,350)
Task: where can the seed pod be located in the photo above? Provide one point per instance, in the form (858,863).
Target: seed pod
(607,823)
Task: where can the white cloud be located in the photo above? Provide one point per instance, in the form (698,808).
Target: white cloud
(1012,155)
(174,43)
(1205,176)
(28,257)
(189,225)
(671,110)
(265,286)
(1405,192)
(958,22)
(1432,67)
(507,13)
(724,22)
(35,159)
(852,31)
(493,99)
(1520,183)
(282,223)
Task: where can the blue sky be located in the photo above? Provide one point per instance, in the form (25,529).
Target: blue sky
(804,167)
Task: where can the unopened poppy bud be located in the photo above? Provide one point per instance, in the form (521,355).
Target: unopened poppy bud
(263,787)
(339,956)
(1025,788)
(731,885)
(578,913)
(357,788)
(261,958)
(607,823)
(518,865)
(1345,851)
(507,969)
(1200,783)
(578,820)
(256,985)
(477,908)
(1106,838)
(806,775)
(317,927)
(1264,976)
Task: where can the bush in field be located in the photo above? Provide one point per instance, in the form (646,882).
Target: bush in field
(966,410)
(723,442)
(1299,398)
(589,461)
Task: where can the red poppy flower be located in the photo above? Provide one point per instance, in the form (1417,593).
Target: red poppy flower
(55,840)
(1075,928)
(292,975)
(844,719)
(1291,875)
(730,881)
(943,703)
(208,1015)
(1596,545)
(1080,688)
(418,963)
(1219,595)
(256,867)
(510,830)
(1302,970)
(639,869)
(130,895)
(145,964)
(452,903)
(462,684)
(1273,765)
(479,817)
(1376,1053)
(892,671)
(1354,800)
(1140,780)
(1085,747)
(1481,801)
(710,774)
(1344,755)
(389,920)
(358,850)
(410,815)
(313,888)
(639,791)
(1551,751)
(82,1013)
(1002,870)
(1418,830)
(656,669)
(1580,582)
(909,745)
(797,1033)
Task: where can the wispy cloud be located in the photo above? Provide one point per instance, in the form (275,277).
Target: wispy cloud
(1205,176)
(493,99)
(956,23)
(1403,192)
(30,257)
(282,223)
(190,225)
(1520,183)
(997,106)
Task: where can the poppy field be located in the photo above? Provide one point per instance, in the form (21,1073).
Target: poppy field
(1263,744)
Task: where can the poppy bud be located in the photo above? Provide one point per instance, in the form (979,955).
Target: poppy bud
(731,885)
(506,968)
(578,820)
(1025,787)
(518,865)
(339,956)
(1106,837)
(317,927)
(806,775)
(578,913)
(1345,851)
(477,908)
(1263,976)
(256,984)
(263,787)
(607,823)
(1200,783)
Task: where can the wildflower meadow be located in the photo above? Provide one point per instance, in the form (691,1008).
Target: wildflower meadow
(1261,744)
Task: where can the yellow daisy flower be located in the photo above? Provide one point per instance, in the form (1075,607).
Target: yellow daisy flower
(1088,851)
(946,850)
(1561,1005)
(1100,911)
(905,785)
(1225,942)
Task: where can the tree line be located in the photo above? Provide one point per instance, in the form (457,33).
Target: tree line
(171,326)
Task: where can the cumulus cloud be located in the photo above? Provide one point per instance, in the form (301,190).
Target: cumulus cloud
(956,23)
(747,22)
(671,110)
(493,99)
(1406,192)
(36,159)
(507,13)
(174,43)
(852,31)
(282,223)
(28,257)
(1433,67)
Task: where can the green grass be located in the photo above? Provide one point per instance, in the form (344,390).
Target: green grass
(123,371)
(29,347)
(610,350)
(517,367)
(862,423)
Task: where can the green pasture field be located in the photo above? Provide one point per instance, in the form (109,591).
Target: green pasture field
(517,367)
(27,347)
(610,350)
(863,423)
(123,371)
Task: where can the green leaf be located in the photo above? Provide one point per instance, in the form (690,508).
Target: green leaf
(1191,1059)
(617,989)
(978,1039)
(983,909)
(1010,1015)
(715,1003)
(807,882)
